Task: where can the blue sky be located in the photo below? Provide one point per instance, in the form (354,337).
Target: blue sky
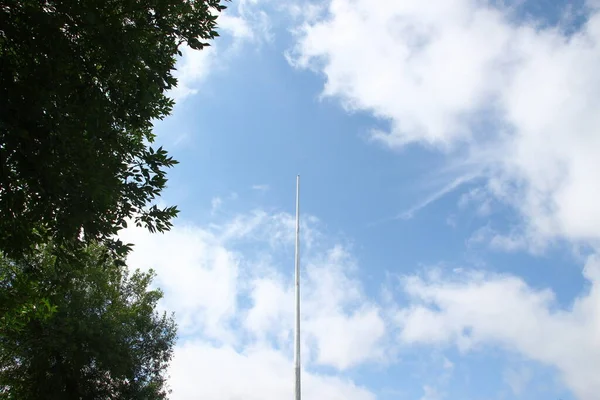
(447,154)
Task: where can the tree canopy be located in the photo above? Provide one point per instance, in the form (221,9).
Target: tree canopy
(81,83)
(102,339)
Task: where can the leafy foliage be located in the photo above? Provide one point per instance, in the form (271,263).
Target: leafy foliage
(20,298)
(81,83)
(101,339)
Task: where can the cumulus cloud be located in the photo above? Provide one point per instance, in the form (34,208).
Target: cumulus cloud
(230,285)
(203,371)
(191,69)
(198,274)
(474,310)
(518,100)
(337,306)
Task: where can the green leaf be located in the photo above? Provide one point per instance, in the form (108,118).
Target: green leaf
(81,327)
(75,134)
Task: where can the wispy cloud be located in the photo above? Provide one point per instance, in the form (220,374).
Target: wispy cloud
(517,379)
(261,187)
(437,195)
(215,204)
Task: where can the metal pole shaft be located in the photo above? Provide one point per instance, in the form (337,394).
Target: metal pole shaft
(297,385)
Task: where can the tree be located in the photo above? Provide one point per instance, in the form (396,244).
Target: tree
(103,339)
(81,83)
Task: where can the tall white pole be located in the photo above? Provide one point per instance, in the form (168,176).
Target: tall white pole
(297,386)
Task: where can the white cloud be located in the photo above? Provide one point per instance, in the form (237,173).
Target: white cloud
(215,204)
(449,188)
(232,290)
(430,393)
(192,68)
(305,11)
(448,365)
(242,24)
(236,25)
(272,303)
(235,308)
(262,187)
(477,198)
(472,310)
(203,371)
(463,76)
(274,228)
(514,240)
(419,64)
(347,327)
(517,379)
(198,274)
